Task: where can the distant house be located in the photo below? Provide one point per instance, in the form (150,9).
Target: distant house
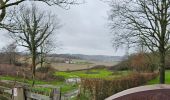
(69,61)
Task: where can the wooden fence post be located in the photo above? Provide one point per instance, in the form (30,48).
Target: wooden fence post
(18,93)
(56,94)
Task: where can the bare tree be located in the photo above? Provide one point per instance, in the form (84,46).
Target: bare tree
(145,21)
(4,4)
(47,47)
(9,53)
(31,28)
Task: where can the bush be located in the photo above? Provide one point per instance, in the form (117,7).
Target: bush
(143,62)
(43,69)
(47,74)
(123,65)
(99,67)
(46,68)
(18,64)
(100,89)
(54,77)
(59,78)
(140,62)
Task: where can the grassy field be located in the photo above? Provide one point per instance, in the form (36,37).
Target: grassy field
(167,79)
(93,73)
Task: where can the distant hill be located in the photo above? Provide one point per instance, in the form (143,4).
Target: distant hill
(100,58)
(69,56)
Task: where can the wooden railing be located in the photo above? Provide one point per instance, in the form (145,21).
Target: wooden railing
(19,93)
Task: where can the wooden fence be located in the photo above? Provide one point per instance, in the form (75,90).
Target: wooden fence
(20,93)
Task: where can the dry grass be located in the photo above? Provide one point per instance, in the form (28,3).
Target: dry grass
(68,67)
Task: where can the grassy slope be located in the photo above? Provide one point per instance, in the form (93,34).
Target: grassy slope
(95,73)
(167,79)
(64,87)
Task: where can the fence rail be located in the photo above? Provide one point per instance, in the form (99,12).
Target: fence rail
(28,93)
(19,93)
(37,96)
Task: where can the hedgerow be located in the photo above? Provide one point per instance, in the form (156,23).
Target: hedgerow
(99,89)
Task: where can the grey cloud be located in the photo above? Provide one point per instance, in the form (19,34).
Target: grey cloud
(84,29)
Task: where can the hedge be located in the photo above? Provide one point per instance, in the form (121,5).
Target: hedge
(99,89)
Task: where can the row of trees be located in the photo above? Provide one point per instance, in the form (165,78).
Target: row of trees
(139,62)
(8,54)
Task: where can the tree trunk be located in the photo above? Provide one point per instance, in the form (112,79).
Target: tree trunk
(41,61)
(10,59)
(163,24)
(162,68)
(33,68)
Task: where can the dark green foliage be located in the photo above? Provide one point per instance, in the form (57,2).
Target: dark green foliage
(99,67)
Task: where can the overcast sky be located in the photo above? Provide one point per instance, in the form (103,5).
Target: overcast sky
(84,29)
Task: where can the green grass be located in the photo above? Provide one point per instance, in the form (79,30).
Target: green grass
(80,98)
(67,88)
(93,73)
(64,88)
(38,82)
(156,81)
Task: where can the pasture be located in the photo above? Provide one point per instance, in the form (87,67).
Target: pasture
(92,73)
